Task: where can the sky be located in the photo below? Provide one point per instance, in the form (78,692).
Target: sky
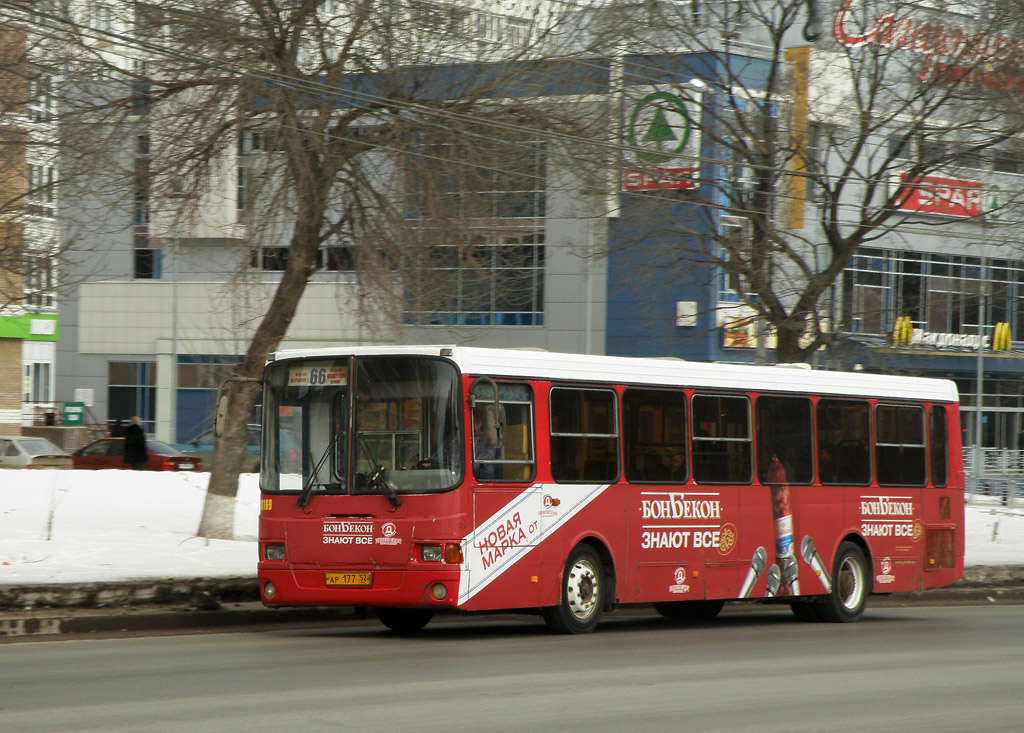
(66,527)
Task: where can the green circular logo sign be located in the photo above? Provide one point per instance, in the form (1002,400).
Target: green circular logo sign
(659,128)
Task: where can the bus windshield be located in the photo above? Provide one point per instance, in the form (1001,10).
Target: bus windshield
(364,425)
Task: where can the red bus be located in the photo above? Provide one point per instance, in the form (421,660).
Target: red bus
(412,480)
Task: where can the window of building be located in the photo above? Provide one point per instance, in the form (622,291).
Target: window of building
(900,458)
(503,433)
(147,263)
(243,193)
(584,435)
(101,17)
(39,285)
(654,436)
(338,258)
(1007,161)
(866,285)
(492,28)
(783,432)
(497,279)
(42,190)
(42,103)
(131,390)
(735,234)
(38,382)
(844,439)
(899,146)
(941,293)
(480,204)
(721,439)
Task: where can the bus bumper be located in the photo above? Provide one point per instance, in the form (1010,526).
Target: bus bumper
(403,588)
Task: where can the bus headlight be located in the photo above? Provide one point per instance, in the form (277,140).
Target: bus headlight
(273,552)
(430,553)
(269,590)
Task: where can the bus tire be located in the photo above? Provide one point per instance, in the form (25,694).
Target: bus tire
(806,610)
(404,620)
(851,586)
(689,611)
(582,594)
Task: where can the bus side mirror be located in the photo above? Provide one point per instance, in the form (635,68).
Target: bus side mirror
(221,414)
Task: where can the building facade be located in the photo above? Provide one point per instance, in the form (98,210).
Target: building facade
(615,256)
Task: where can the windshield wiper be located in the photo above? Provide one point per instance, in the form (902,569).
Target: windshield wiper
(307,491)
(376,477)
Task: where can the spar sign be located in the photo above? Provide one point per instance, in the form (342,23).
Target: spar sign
(944,196)
(662,139)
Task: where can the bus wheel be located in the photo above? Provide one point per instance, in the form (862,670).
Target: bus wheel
(583,591)
(851,586)
(689,611)
(404,620)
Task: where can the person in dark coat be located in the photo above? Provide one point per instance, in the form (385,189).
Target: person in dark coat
(135,445)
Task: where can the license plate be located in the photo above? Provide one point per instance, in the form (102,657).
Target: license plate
(349,580)
(186,466)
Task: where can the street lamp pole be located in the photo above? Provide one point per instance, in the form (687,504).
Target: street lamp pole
(173,414)
(979,468)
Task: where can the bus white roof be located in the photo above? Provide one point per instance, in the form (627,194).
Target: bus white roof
(562,367)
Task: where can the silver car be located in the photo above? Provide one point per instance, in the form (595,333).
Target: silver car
(22,451)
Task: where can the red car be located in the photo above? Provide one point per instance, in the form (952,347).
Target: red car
(109,453)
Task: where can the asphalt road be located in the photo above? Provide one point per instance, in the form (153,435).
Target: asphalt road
(915,668)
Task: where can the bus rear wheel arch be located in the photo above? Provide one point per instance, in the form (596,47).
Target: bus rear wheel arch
(583,593)
(851,585)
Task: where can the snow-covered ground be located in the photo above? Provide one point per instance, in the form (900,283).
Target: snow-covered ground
(94,526)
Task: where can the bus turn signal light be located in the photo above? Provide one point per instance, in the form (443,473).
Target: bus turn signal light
(453,553)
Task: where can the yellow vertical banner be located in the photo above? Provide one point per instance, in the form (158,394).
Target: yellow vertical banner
(799,59)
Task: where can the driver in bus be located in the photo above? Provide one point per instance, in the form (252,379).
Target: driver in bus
(483,449)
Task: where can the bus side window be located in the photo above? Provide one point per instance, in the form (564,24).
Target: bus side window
(939,446)
(899,445)
(844,435)
(584,435)
(721,439)
(782,430)
(510,457)
(654,436)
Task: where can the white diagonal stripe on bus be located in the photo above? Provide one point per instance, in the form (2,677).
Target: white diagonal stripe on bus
(474,576)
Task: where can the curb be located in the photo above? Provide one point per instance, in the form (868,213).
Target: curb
(47,611)
(93,621)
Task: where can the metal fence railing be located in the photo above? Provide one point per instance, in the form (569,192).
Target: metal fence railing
(1001,477)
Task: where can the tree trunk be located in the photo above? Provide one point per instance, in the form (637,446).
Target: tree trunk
(217,521)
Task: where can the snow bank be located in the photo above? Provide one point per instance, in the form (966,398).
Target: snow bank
(103,526)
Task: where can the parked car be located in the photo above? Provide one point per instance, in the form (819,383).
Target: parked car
(23,451)
(109,453)
(205,443)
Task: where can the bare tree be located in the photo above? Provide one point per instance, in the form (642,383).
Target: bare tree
(342,103)
(822,134)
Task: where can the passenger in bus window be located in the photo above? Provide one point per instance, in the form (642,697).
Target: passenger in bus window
(484,445)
